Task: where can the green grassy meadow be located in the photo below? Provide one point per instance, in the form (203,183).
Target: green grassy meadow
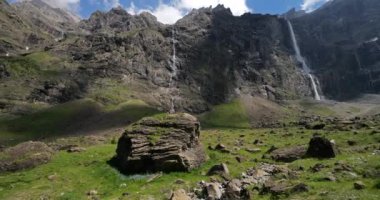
(72,176)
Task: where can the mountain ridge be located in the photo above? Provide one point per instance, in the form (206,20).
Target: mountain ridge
(218,57)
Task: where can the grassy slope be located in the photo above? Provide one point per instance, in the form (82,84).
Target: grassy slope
(26,73)
(65,119)
(94,172)
(230,115)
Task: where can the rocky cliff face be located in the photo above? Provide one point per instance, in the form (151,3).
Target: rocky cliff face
(208,57)
(341,43)
(12,28)
(54,21)
(217,57)
(32,24)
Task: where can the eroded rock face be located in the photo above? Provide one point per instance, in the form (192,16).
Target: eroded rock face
(162,143)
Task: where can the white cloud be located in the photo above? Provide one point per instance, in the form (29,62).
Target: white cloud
(238,7)
(64,4)
(170,13)
(310,5)
(111,3)
(167,14)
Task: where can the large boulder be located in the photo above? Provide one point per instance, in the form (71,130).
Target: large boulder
(161,143)
(320,147)
(24,156)
(289,154)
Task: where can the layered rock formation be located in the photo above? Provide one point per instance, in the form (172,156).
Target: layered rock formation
(163,143)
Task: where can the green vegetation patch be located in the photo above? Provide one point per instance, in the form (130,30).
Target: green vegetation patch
(43,58)
(317,109)
(109,92)
(20,66)
(69,118)
(230,115)
(72,176)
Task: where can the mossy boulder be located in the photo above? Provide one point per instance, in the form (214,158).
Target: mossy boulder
(24,156)
(167,143)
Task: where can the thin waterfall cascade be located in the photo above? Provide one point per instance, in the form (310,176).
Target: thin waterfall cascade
(173,72)
(174,57)
(358,61)
(61,37)
(305,67)
(368,72)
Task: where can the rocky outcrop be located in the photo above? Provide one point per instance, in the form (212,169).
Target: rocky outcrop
(4,73)
(162,143)
(24,156)
(320,147)
(118,20)
(58,91)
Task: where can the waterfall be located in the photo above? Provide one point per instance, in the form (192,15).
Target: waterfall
(301,59)
(173,72)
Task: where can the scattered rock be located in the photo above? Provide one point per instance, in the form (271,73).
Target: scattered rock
(213,191)
(302,187)
(257,142)
(358,185)
(329,178)
(52,177)
(165,143)
(233,190)
(351,142)
(179,195)
(240,159)
(76,149)
(254,150)
(281,188)
(339,167)
(179,181)
(289,154)
(92,193)
(317,167)
(24,156)
(275,188)
(222,148)
(318,126)
(221,169)
(320,147)
(271,149)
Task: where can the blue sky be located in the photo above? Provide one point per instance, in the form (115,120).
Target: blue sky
(258,6)
(168,11)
